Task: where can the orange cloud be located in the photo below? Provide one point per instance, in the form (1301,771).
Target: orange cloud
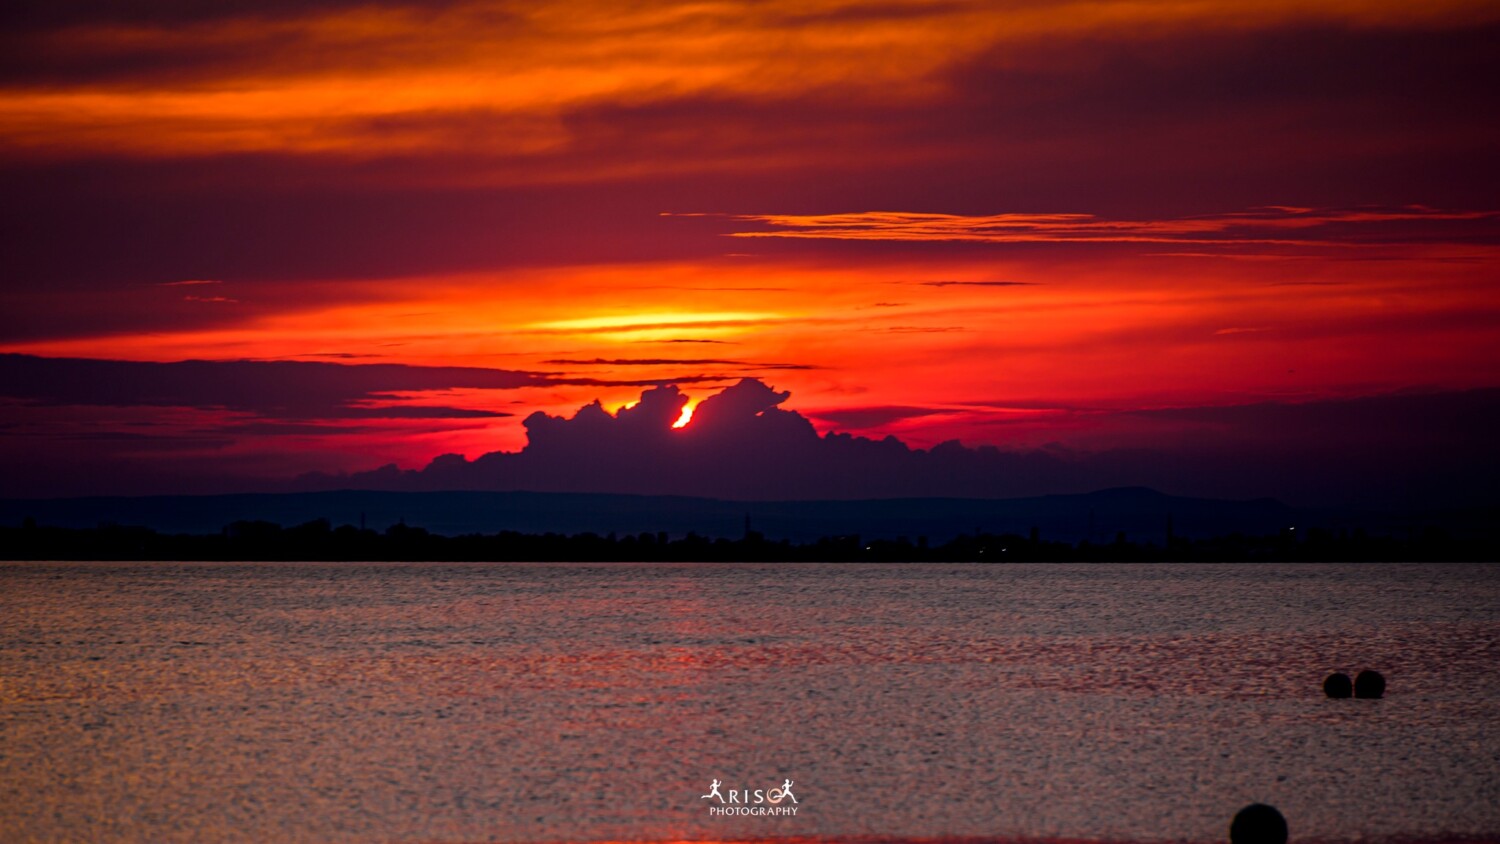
(1237,228)
(496,80)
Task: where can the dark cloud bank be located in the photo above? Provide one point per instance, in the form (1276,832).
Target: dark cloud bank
(1407,451)
(281,389)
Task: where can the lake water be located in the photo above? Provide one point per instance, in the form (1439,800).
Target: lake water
(471,702)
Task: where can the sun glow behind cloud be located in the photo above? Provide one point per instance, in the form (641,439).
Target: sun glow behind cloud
(1154,330)
(1022,364)
(639,326)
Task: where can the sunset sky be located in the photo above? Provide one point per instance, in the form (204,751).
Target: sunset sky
(1080,226)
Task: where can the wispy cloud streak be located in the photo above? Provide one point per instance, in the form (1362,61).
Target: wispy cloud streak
(1277,225)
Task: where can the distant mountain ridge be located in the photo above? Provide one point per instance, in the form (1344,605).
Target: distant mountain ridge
(1142,514)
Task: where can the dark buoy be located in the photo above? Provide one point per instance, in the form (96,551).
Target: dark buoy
(1338,686)
(1369,684)
(1258,824)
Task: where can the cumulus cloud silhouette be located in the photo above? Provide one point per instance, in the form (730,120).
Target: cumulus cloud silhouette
(742,444)
(739,444)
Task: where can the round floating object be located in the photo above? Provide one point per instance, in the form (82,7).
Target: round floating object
(1338,685)
(1258,824)
(1369,685)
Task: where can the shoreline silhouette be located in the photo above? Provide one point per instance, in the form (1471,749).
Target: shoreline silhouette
(319,540)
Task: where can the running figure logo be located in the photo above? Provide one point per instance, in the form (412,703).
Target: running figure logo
(772,801)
